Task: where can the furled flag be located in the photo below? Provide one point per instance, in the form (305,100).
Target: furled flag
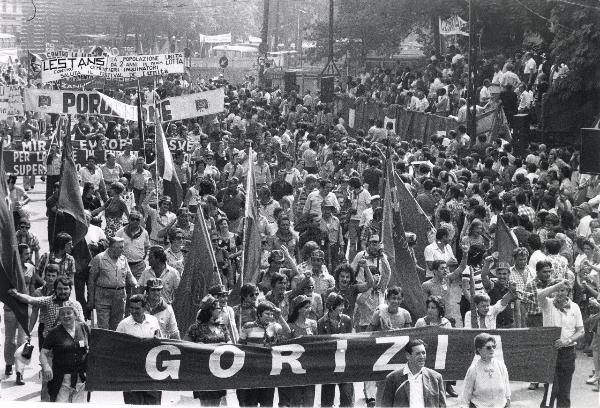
(251,241)
(395,247)
(140,115)
(415,220)
(11,274)
(166,168)
(70,204)
(504,242)
(200,272)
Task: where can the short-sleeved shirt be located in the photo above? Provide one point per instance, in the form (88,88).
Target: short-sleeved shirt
(68,352)
(478,282)
(94,177)
(138,180)
(110,273)
(135,248)
(147,329)
(385,320)
(170,278)
(49,306)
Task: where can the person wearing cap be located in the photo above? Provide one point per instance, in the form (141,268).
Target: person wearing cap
(496,289)
(158,268)
(145,326)
(267,330)
(63,357)
(109,274)
(157,307)
(161,220)
(111,170)
(335,322)
(208,329)
(374,256)
(227,314)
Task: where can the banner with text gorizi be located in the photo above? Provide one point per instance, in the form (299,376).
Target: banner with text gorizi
(11,102)
(137,66)
(62,67)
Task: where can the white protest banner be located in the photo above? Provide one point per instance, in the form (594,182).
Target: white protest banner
(452,26)
(216,39)
(77,103)
(96,103)
(193,105)
(137,66)
(62,67)
(11,102)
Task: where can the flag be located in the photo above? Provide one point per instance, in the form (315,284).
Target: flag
(11,274)
(504,242)
(200,272)
(166,168)
(71,218)
(395,247)
(70,203)
(140,119)
(415,220)
(252,240)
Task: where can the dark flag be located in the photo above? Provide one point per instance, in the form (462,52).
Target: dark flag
(70,203)
(395,247)
(11,274)
(415,220)
(504,242)
(166,168)
(199,273)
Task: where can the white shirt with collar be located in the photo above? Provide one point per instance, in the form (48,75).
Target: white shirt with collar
(489,319)
(147,329)
(416,388)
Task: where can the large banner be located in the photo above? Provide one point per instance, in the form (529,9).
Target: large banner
(64,65)
(453,25)
(96,103)
(119,362)
(137,66)
(11,101)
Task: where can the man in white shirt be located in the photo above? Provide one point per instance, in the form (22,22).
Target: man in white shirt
(157,259)
(525,99)
(560,311)
(486,314)
(484,93)
(509,77)
(439,250)
(143,325)
(584,211)
(530,68)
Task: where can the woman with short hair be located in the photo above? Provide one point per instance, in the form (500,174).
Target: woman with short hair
(486,383)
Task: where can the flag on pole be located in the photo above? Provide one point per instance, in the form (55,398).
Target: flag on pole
(11,274)
(140,115)
(395,247)
(166,168)
(200,272)
(251,242)
(415,220)
(70,203)
(504,242)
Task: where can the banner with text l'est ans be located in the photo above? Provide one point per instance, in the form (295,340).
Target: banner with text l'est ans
(119,362)
(96,103)
(73,65)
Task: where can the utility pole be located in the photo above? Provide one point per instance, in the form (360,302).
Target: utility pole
(263,49)
(330,68)
(277,27)
(472,87)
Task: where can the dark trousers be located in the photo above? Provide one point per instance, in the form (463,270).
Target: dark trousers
(563,374)
(50,180)
(80,282)
(346,394)
(255,397)
(303,396)
(142,397)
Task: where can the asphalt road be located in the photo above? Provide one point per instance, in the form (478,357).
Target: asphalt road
(581,394)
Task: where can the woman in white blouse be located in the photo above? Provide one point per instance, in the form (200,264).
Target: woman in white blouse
(486,383)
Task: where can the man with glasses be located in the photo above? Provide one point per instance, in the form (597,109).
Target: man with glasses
(24,236)
(245,312)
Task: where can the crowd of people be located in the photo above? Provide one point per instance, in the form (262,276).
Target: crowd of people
(323,266)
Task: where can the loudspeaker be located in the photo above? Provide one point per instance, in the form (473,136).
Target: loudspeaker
(327,89)
(590,151)
(520,135)
(289,81)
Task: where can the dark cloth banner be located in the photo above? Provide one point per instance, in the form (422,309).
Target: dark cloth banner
(119,362)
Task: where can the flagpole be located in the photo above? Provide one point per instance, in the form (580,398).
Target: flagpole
(62,167)
(244,223)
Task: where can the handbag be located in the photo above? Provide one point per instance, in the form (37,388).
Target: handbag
(27,350)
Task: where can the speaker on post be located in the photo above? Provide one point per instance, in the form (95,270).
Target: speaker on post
(327,89)
(590,151)
(520,132)
(289,81)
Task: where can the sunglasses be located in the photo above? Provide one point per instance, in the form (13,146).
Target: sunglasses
(216,241)
(491,347)
(24,226)
(253,294)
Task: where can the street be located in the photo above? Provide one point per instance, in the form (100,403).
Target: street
(581,394)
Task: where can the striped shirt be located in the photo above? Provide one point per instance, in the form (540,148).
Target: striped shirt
(466,275)
(254,334)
